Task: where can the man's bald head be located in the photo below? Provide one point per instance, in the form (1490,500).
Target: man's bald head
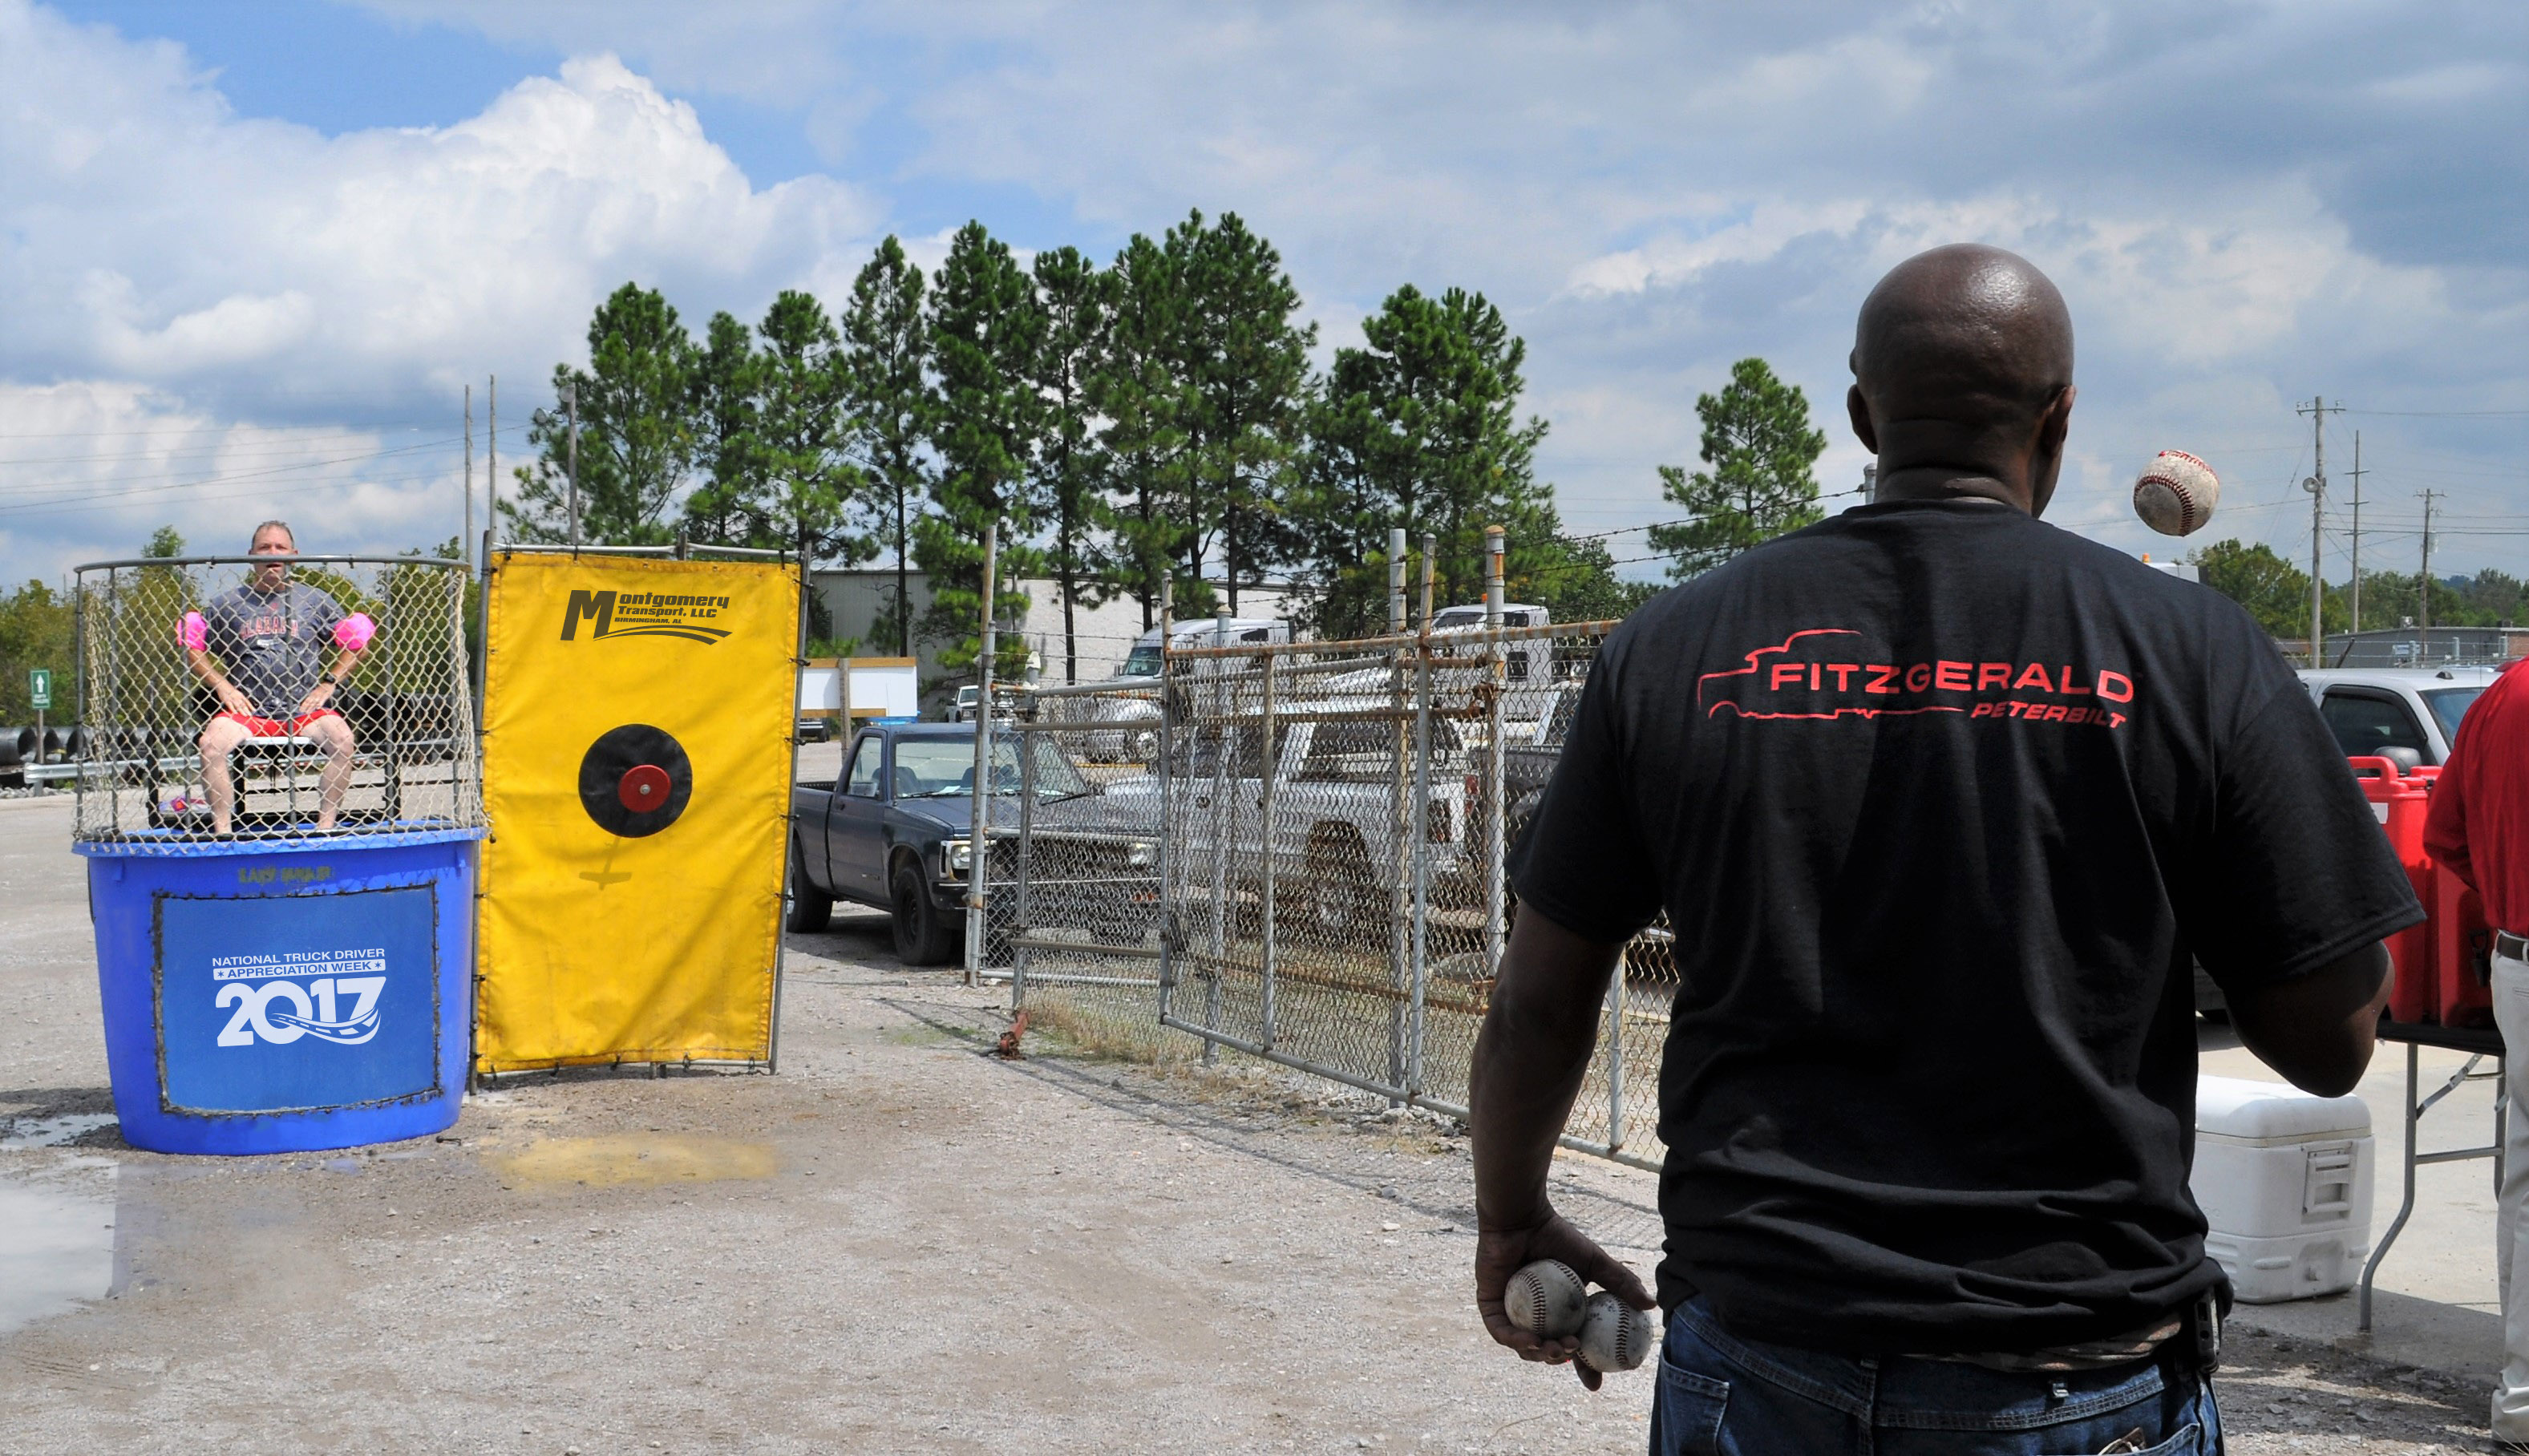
(1962,365)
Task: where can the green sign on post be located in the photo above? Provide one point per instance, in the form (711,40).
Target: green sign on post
(39,688)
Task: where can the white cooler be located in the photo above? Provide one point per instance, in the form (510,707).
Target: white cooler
(2284,1180)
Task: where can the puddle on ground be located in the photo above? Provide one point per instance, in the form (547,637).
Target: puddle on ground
(50,1132)
(59,1251)
(611,1162)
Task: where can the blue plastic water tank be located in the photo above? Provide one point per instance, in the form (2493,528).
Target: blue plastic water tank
(285,996)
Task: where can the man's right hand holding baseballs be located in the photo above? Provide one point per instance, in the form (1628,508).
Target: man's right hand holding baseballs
(1503,1251)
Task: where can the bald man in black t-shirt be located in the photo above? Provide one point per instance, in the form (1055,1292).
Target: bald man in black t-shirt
(1941,803)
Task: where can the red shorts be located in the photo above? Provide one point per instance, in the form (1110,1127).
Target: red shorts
(277,728)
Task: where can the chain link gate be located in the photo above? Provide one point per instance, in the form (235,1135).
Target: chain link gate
(1295,851)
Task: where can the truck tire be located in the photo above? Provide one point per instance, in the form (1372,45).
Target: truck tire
(1343,907)
(923,936)
(810,908)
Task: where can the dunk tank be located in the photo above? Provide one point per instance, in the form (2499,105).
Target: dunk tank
(285,932)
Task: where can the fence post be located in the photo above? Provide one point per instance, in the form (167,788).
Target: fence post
(1616,992)
(1221,756)
(1397,826)
(1168,866)
(1497,826)
(1421,827)
(1027,743)
(979,802)
(1272,840)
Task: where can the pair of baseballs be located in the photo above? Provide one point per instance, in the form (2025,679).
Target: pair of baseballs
(1547,1298)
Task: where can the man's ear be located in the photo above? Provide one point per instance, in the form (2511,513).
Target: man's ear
(2055,422)
(1858,409)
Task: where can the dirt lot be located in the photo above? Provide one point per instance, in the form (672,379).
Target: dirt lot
(899,1243)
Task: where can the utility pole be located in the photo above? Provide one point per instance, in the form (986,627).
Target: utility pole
(570,402)
(2356,473)
(466,542)
(2424,583)
(2318,409)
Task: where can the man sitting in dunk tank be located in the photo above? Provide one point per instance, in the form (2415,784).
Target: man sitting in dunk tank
(260,649)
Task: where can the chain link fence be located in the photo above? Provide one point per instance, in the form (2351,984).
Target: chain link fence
(1294,851)
(259,698)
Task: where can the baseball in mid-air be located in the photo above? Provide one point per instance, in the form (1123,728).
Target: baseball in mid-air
(2176,493)
(1614,1335)
(1546,1298)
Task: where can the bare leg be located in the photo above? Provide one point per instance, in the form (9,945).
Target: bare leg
(221,736)
(336,736)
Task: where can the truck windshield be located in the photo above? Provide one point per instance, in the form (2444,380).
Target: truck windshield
(2450,705)
(1144,662)
(945,767)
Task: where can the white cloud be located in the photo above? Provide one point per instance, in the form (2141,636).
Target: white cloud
(246,268)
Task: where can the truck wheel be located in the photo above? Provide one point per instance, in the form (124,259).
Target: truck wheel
(810,908)
(921,936)
(1342,904)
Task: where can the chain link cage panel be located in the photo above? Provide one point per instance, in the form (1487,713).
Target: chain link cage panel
(201,686)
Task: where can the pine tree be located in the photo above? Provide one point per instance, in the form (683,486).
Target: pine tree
(1758,440)
(1421,429)
(723,408)
(636,433)
(987,329)
(1248,377)
(802,426)
(1140,389)
(1077,299)
(887,347)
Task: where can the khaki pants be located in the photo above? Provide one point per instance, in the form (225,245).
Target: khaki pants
(2511,1228)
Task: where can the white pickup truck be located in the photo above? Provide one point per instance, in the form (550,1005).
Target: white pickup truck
(2373,710)
(1335,842)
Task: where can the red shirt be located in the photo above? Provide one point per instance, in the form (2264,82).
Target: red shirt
(2479,824)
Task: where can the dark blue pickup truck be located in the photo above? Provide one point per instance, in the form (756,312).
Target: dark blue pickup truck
(896,833)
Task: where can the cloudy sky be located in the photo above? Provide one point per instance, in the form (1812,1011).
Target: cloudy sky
(251,254)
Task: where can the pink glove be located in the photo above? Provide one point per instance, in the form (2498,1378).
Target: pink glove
(193,634)
(352,632)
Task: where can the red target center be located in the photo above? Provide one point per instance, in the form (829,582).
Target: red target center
(643,788)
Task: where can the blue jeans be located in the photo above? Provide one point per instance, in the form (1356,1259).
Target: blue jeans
(1721,1395)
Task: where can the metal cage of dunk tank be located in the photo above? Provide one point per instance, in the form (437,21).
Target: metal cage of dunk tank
(283,906)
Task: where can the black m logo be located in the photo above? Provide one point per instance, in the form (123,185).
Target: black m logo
(596,605)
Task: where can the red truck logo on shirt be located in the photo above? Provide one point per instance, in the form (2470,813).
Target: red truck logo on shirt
(1826,673)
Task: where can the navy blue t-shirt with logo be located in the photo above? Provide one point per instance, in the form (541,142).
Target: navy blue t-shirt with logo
(1939,800)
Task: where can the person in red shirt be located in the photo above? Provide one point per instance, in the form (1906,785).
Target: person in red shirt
(2479,830)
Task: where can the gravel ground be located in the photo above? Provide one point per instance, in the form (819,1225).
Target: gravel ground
(899,1243)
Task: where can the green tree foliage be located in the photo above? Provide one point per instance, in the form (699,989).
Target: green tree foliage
(1248,377)
(1759,447)
(2273,590)
(1583,587)
(723,401)
(36,631)
(1421,429)
(987,331)
(1140,389)
(802,432)
(164,542)
(1078,301)
(887,347)
(636,430)
(2490,598)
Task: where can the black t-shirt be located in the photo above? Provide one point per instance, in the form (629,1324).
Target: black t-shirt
(1938,800)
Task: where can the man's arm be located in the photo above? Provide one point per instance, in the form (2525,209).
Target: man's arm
(199,662)
(1530,1061)
(345,660)
(2318,1029)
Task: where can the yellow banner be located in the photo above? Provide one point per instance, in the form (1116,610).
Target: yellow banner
(637,717)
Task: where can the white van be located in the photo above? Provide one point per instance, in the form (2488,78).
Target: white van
(1528,668)
(1200,631)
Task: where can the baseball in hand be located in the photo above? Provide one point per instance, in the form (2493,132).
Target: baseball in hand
(2176,493)
(1614,1335)
(1545,1298)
